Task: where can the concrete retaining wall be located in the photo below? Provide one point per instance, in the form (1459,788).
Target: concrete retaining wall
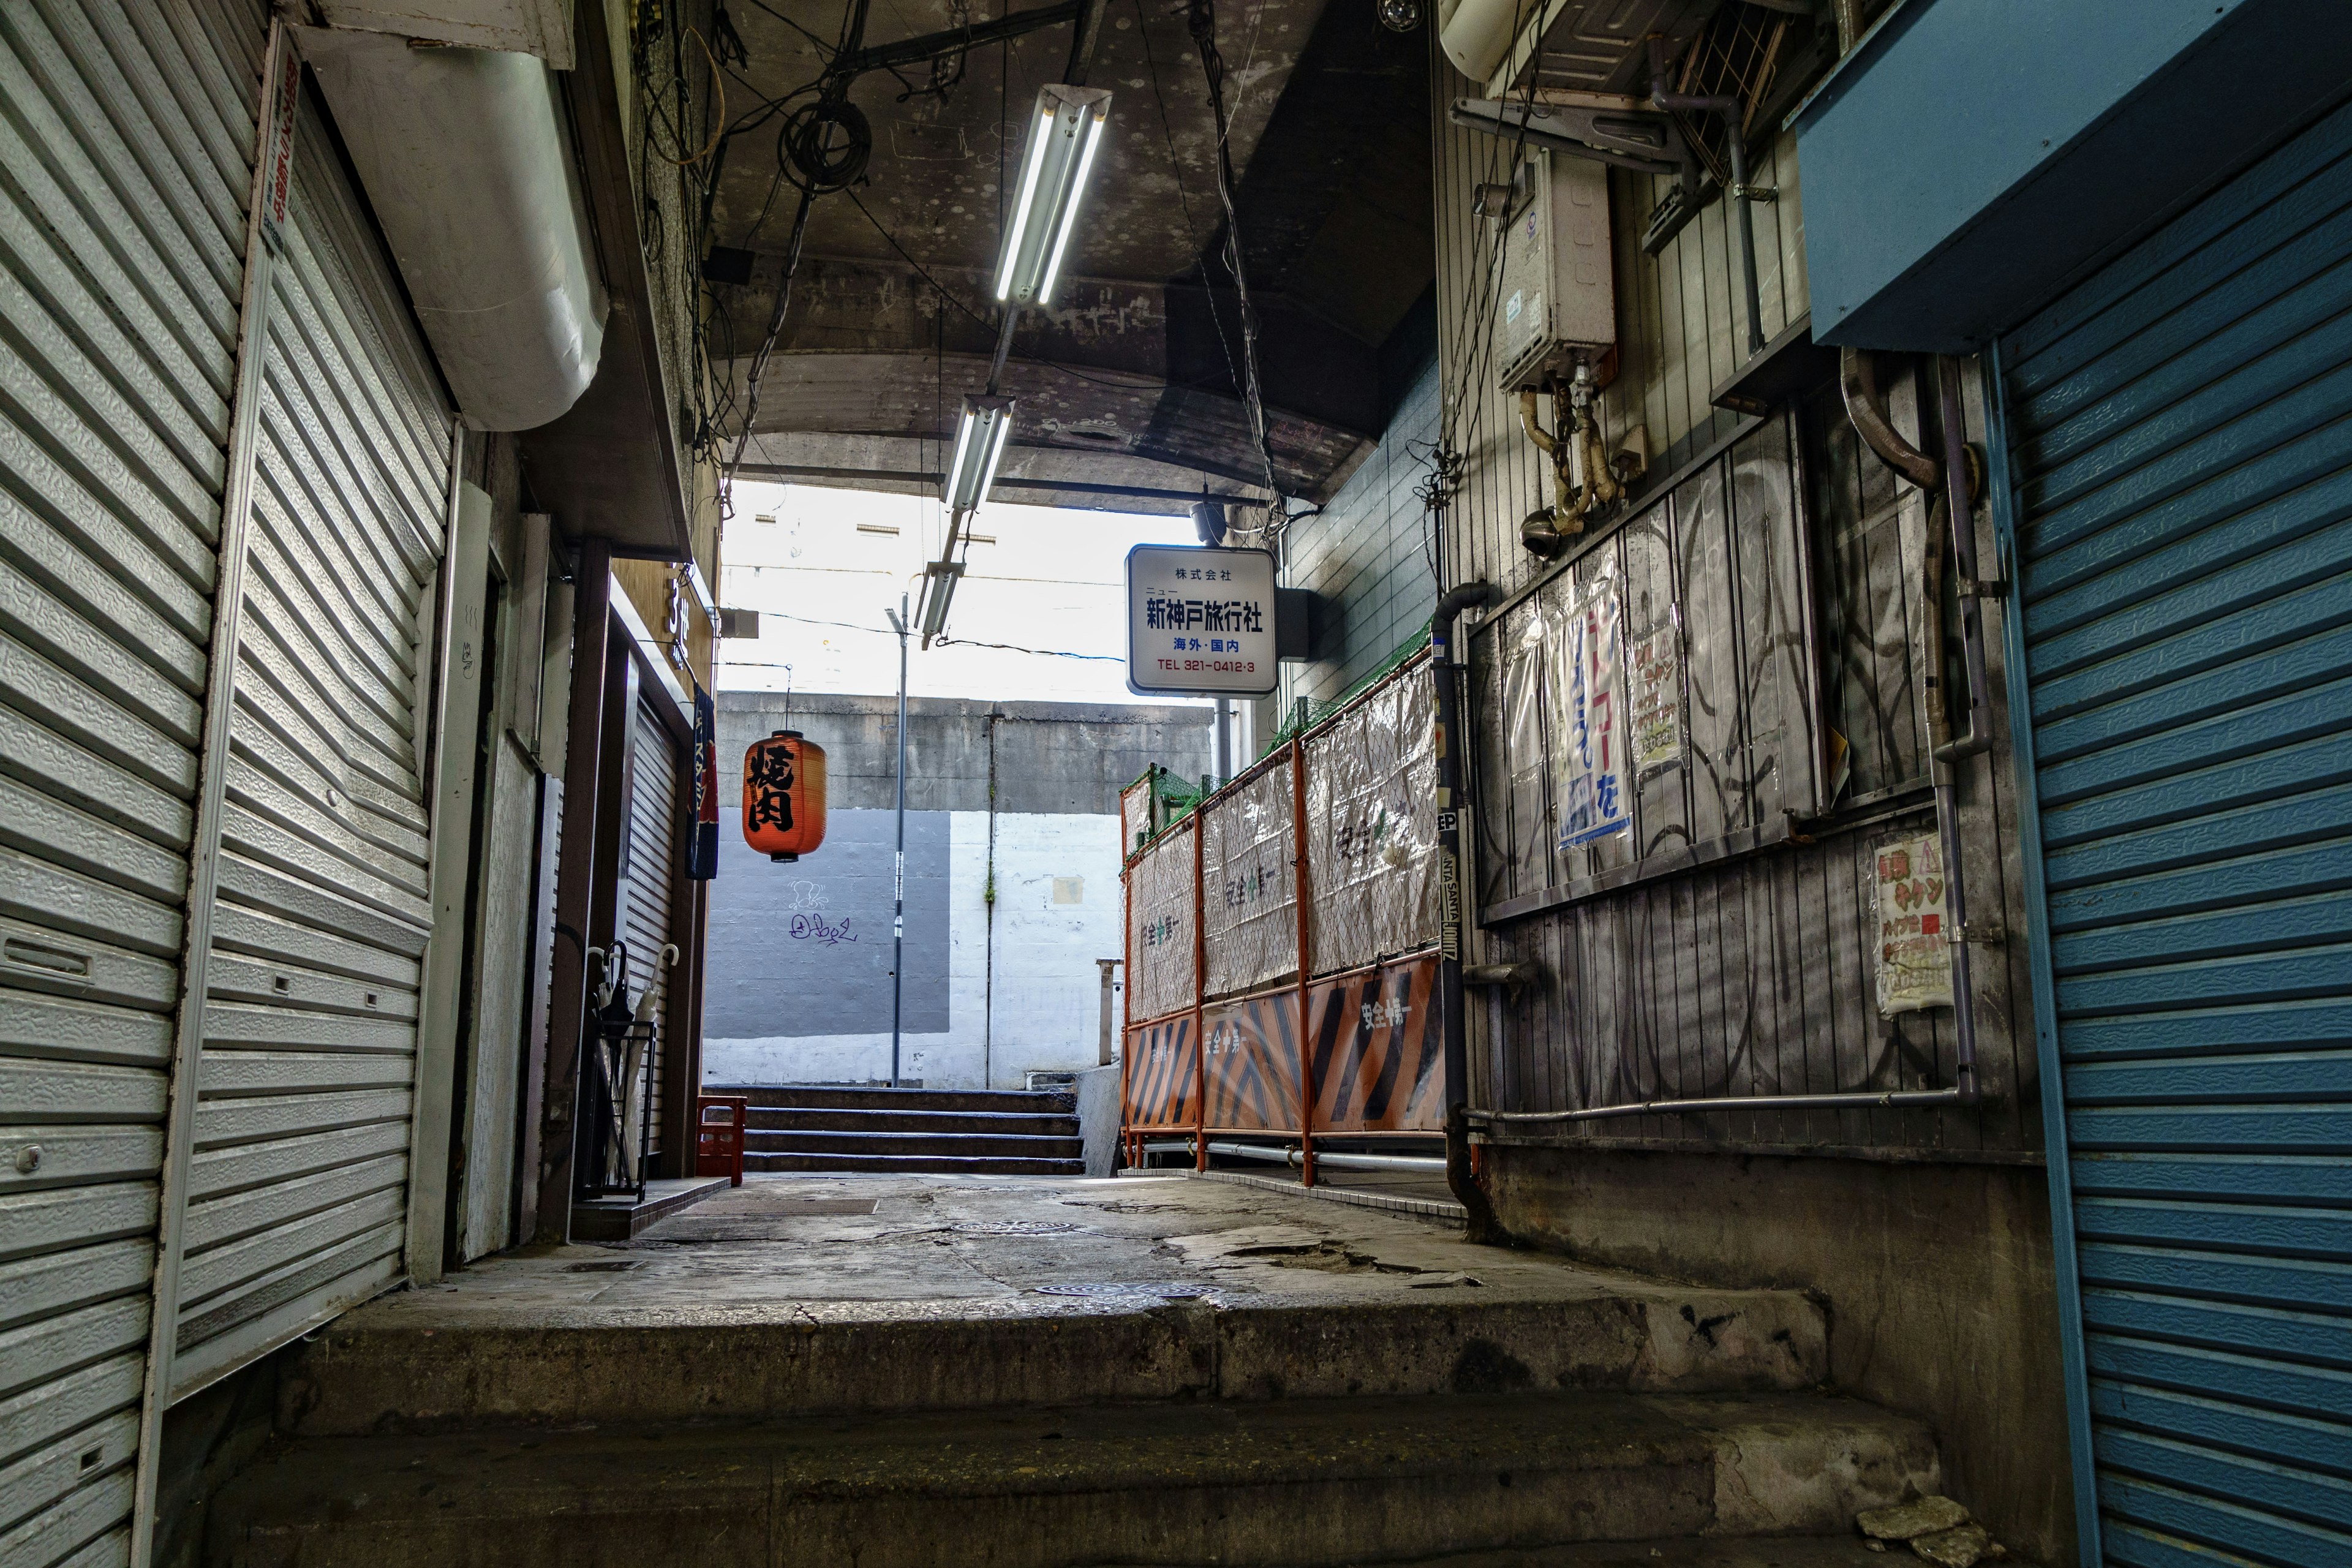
(1938,1278)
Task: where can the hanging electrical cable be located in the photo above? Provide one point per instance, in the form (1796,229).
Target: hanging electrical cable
(1200,22)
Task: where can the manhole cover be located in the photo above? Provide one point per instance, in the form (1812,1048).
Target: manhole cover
(1164,1292)
(1015,1227)
(615,1266)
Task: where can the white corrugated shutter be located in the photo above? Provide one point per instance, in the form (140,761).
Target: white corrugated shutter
(125,134)
(297,1193)
(645,892)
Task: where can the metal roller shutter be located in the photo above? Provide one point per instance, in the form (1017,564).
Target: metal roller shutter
(2180,438)
(125,136)
(652,867)
(297,1191)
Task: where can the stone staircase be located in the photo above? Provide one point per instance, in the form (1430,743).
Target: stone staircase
(995,1133)
(1297,1418)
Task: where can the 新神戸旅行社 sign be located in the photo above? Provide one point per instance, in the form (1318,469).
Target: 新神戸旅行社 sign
(1200,621)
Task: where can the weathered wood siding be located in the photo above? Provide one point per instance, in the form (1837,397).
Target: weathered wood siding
(1750,974)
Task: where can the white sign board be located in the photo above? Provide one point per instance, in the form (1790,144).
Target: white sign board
(1200,622)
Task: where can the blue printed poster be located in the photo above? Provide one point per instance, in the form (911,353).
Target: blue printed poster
(1588,721)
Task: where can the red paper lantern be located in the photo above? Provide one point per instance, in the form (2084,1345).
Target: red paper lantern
(784,796)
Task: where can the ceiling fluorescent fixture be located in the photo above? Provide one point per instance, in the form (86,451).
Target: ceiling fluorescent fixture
(1064,134)
(939,579)
(979,442)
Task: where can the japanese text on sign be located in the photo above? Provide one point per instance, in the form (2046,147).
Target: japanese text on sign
(1200,621)
(1590,719)
(1914,955)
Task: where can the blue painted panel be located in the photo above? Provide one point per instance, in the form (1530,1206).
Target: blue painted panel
(2079,668)
(2193,1467)
(2254,1079)
(2299,1440)
(1973,155)
(2255,1531)
(2102,544)
(2274,774)
(2265,1178)
(2177,443)
(2268,824)
(2218,886)
(2278,1230)
(2268,1331)
(2318,1391)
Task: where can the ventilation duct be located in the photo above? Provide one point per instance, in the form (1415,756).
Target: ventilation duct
(466,160)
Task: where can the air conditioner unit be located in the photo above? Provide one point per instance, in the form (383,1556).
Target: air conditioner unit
(1559,295)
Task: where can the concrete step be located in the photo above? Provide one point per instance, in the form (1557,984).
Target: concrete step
(1302,1484)
(536,1353)
(1842,1550)
(812,1097)
(918,1164)
(774,1118)
(1000,1145)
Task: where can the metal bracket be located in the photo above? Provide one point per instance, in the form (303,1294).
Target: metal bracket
(1981,587)
(1755,193)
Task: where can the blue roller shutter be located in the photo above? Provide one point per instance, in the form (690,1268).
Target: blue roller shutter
(2178,475)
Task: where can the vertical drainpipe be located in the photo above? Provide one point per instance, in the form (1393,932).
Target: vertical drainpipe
(1126,947)
(1482,1224)
(1731,111)
(988,900)
(1299,883)
(1199,992)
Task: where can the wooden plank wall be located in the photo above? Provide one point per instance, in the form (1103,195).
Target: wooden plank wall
(1752,976)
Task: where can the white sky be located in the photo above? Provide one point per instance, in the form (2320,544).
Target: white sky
(1052,578)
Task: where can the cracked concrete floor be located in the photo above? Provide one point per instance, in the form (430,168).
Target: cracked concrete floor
(878,1247)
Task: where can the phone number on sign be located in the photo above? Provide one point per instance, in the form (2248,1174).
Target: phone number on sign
(1217,665)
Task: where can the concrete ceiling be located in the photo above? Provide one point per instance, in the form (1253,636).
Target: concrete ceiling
(1130,381)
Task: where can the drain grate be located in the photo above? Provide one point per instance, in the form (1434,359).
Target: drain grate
(615,1266)
(1126,1288)
(1015,1227)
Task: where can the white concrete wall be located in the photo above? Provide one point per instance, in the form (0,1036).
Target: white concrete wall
(1033,1006)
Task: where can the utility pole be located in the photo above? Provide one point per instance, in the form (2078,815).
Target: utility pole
(1224,748)
(898,875)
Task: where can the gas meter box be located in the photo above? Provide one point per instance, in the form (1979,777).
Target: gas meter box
(1559,294)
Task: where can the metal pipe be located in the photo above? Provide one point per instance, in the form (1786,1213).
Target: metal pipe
(1281,1155)
(1892,1097)
(932,480)
(1959,499)
(898,873)
(1732,112)
(1858,379)
(857,60)
(1944,755)
(1459,1178)
(1003,347)
(1302,892)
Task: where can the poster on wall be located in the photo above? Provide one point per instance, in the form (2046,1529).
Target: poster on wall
(1654,702)
(1913,957)
(1589,717)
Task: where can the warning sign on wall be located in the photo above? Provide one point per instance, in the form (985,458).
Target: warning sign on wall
(1913,957)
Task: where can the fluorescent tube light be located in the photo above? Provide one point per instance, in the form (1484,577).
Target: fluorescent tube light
(939,579)
(1064,135)
(981,431)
